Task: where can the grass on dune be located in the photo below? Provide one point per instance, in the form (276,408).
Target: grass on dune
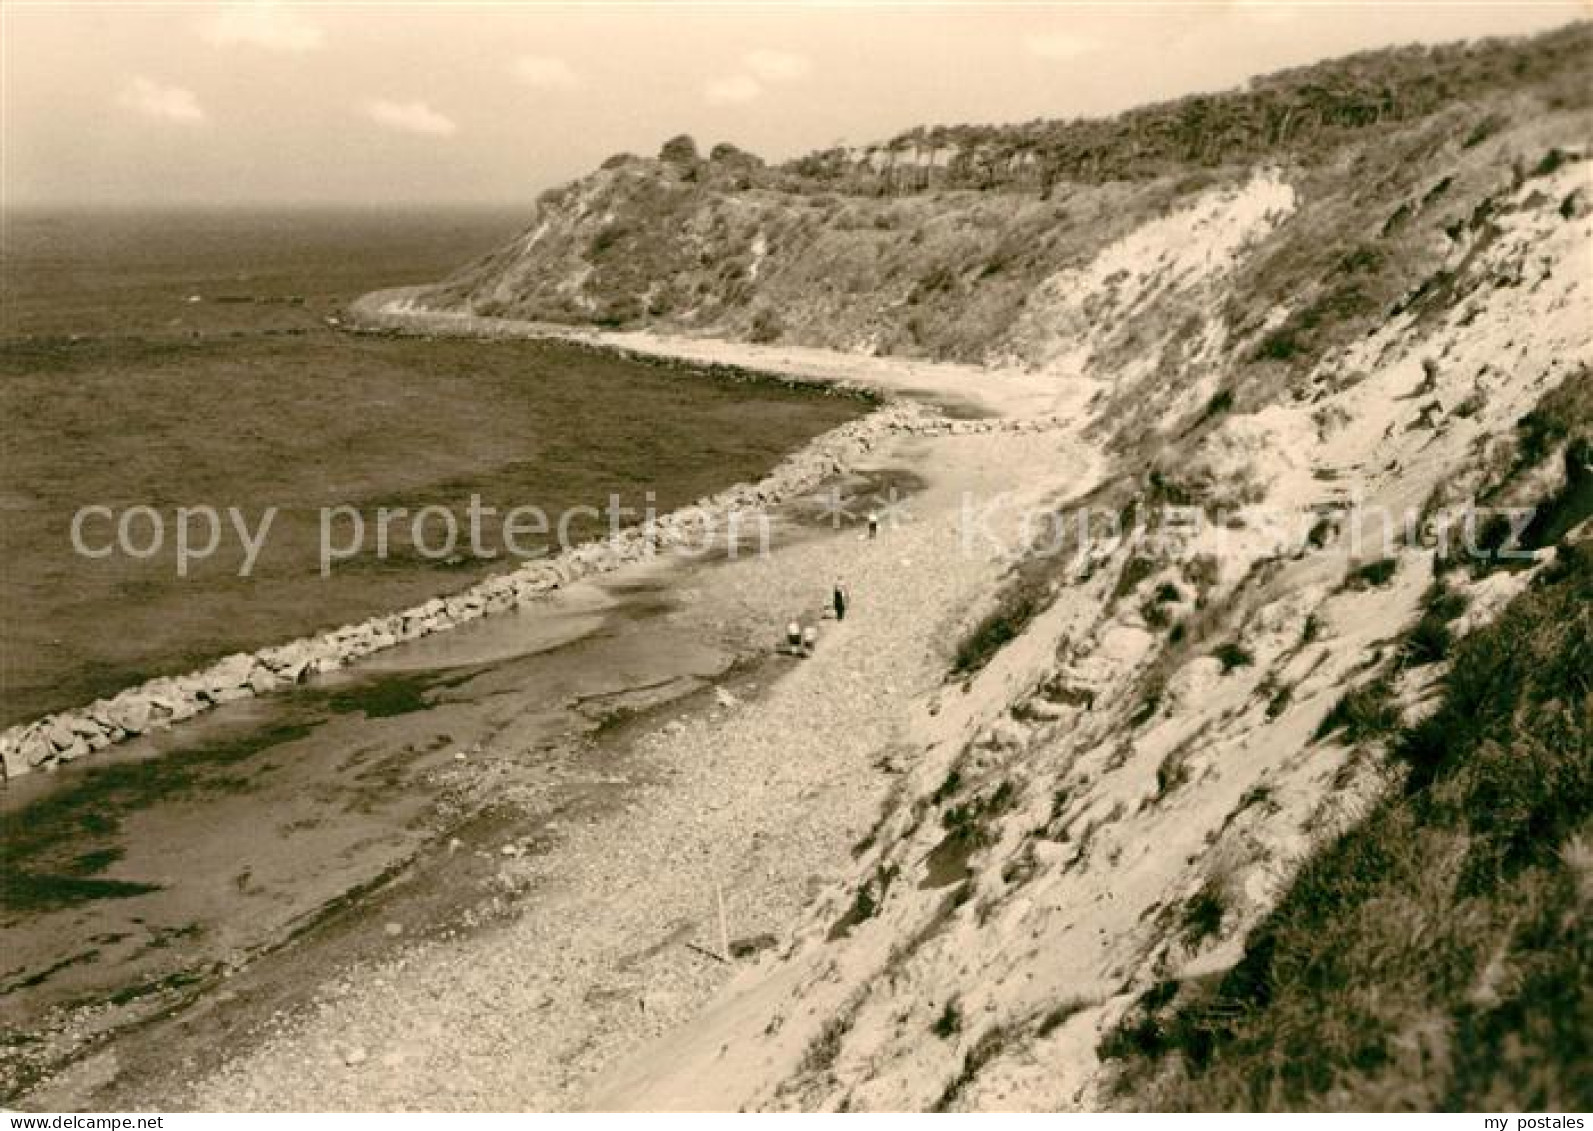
(1437,956)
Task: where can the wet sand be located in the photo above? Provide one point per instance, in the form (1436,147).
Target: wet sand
(182,890)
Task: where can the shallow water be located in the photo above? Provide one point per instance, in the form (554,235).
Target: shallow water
(184,888)
(147,875)
(248,399)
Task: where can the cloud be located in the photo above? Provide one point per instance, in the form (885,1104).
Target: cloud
(1264,11)
(1062,46)
(732,91)
(763,67)
(410,117)
(155,100)
(546,72)
(270,26)
(777,66)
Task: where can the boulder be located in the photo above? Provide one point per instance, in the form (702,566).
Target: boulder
(289,657)
(13,759)
(169,708)
(36,749)
(76,750)
(130,713)
(85,726)
(354,641)
(59,732)
(328,661)
(231,672)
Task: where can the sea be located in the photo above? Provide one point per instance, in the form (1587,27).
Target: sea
(162,364)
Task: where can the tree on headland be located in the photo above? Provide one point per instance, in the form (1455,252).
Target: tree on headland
(727,154)
(1298,115)
(680,150)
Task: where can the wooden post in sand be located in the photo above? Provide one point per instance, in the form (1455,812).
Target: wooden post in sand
(724,933)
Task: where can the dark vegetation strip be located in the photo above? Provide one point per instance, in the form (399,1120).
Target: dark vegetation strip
(52,848)
(1301,114)
(1438,955)
(1035,580)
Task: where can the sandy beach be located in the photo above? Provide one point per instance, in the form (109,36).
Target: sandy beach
(762,800)
(753,792)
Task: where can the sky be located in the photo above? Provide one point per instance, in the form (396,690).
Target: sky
(386,104)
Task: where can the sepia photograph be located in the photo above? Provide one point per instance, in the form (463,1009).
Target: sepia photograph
(888,557)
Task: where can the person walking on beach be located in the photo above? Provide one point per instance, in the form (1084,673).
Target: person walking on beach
(840,603)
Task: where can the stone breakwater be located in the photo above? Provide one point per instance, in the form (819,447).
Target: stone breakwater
(69,735)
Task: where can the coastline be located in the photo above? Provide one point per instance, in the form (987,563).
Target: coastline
(960,390)
(812,756)
(915,397)
(66,736)
(760,797)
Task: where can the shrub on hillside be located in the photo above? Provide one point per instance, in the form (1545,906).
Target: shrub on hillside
(1430,639)
(679,150)
(1233,655)
(1017,605)
(766,326)
(1372,574)
(1367,712)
